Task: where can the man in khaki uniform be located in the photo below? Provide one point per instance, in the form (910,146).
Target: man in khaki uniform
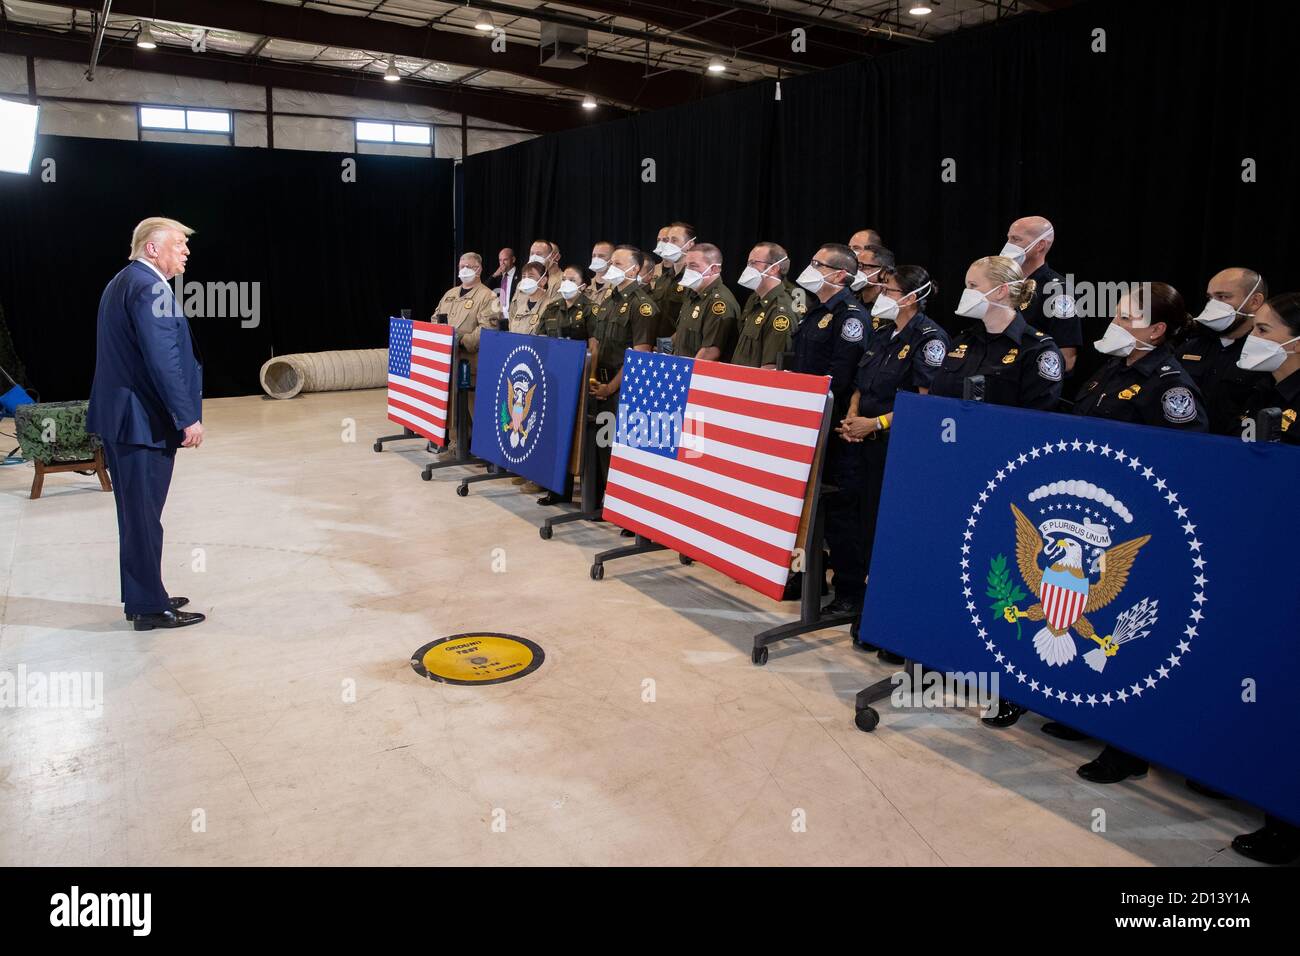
(667,289)
(468,308)
(768,317)
(706,325)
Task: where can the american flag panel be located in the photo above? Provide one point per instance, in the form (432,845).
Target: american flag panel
(713,460)
(419,375)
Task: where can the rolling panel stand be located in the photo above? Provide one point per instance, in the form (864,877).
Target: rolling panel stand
(589,507)
(810,596)
(864,715)
(462,456)
(406,433)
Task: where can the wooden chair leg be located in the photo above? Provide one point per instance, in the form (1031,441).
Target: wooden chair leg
(101,469)
(39,480)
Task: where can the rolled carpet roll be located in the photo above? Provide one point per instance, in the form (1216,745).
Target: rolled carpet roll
(286,375)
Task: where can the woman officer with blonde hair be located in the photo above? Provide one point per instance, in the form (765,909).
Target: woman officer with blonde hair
(1021,366)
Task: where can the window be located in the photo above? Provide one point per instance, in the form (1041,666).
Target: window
(403,133)
(176,118)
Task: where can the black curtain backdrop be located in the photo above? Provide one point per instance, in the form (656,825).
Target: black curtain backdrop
(334,258)
(1134,153)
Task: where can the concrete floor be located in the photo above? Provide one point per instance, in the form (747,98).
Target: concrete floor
(323,565)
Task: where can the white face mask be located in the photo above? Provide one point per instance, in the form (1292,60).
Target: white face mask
(540,260)
(659,248)
(528,286)
(672,252)
(466,275)
(569,288)
(887,307)
(692,279)
(1259,354)
(861,280)
(1120,341)
(751,278)
(615,276)
(812,280)
(1219,315)
(1013,251)
(975,304)
(597,263)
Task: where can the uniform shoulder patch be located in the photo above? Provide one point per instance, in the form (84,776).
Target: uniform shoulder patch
(781,323)
(646,308)
(719,308)
(933,352)
(1060,306)
(1049,366)
(1179,405)
(852,330)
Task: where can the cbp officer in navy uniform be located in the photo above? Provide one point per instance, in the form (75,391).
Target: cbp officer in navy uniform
(902,358)
(1021,365)
(872,262)
(1049,309)
(1143,384)
(1210,347)
(1273,348)
(829,341)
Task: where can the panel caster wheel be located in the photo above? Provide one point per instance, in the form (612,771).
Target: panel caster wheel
(546,531)
(866,719)
(759,656)
(426,475)
(685,560)
(597,572)
(462,490)
(379,446)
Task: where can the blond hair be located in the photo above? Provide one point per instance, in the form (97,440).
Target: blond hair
(147,229)
(1001,269)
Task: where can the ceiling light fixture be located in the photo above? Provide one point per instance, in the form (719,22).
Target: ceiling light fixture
(391,74)
(145,40)
(716,65)
(920,9)
(483,22)
(589,102)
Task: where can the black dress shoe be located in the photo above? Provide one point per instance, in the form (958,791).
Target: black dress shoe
(889,657)
(1008,713)
(176,603)
(1113,765)
(842,606)
(147,622)
(1276,843)
(551,498)
(627,533)
(1063,731)
(1204,791)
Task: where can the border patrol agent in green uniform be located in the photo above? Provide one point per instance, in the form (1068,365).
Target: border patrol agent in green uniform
(626,319)
(567,317)
(768,318)
(667,288)
(706,327)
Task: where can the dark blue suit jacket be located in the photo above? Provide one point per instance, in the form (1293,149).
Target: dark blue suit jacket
(148,379)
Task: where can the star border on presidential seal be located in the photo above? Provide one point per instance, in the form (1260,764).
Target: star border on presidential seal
(1190,632)
(541,418)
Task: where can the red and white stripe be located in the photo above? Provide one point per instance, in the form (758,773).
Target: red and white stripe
(733,496)
(420,402)
(1062,606)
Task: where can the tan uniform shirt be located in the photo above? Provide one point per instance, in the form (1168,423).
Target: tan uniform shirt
(525,315)
(469,312)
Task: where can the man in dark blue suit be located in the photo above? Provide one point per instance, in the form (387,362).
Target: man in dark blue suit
(146,401)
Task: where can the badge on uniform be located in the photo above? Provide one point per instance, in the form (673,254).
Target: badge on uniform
(852,330)
(622,309)
(719,308)
(1288,419)
(1179,405)
(578,317)
(902,353)
(695,312)
(1010,357)
(1129,392)
(759,319)
(959,352)
(1189,358)
(824,322)
(680,290)
(781,323)
(1049,366)
(646,308)
(932,351)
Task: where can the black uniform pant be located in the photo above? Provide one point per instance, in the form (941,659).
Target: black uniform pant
(606,430)
(141,477)
(873,479)
(843,508)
